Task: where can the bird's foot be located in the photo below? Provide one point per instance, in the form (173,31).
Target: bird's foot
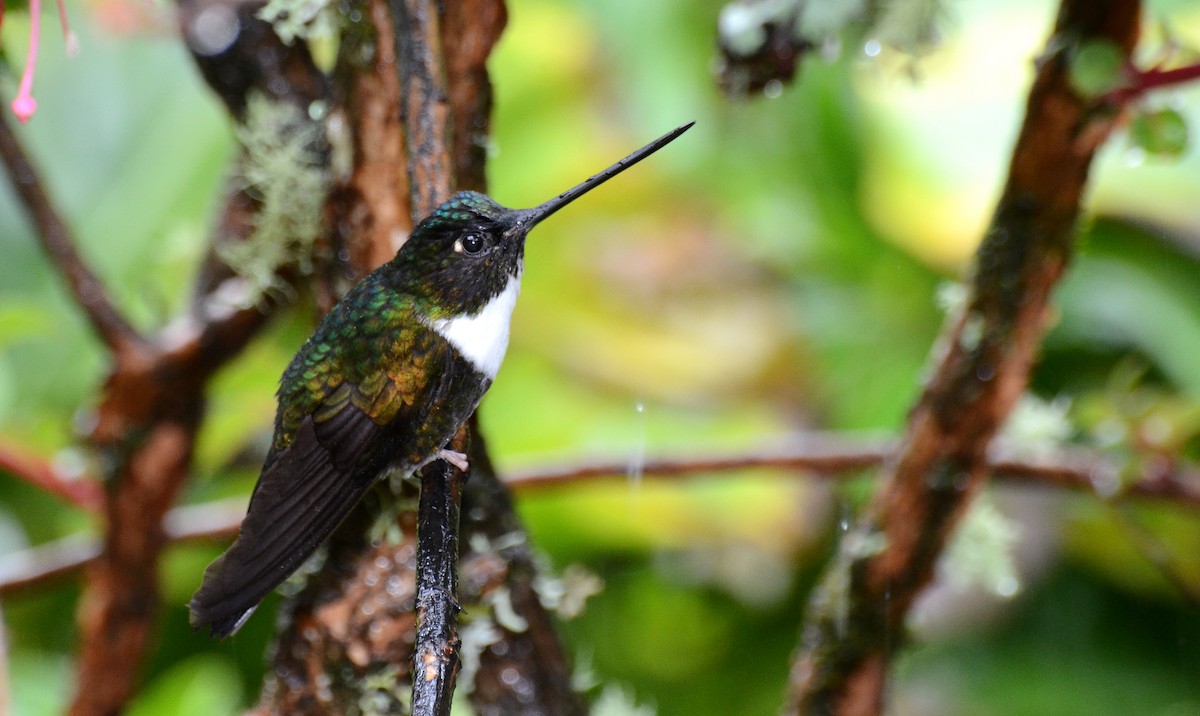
(455,458)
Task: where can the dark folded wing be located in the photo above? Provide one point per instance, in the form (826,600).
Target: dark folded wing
(307,488)
(300,499)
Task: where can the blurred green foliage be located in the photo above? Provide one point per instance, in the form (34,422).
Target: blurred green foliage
(776,269)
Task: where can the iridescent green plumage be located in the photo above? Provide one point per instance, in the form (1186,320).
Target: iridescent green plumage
(383,384)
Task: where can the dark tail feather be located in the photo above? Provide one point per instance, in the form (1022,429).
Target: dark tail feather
(300,499)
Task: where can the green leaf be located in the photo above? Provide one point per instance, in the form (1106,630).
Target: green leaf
(1096,68)
(1162,132)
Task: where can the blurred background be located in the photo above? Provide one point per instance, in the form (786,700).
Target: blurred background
(785,266)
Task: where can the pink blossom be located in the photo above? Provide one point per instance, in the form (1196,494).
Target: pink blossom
(24,105)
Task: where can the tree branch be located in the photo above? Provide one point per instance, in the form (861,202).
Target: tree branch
(82,491)
(424,107)
(983,362)
(819,456)
(435,661)
(154,398)
(498,569)
(109,324)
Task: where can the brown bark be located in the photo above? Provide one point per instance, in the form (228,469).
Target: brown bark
(153,399)
(818,456)
(370,207)
(405,162)
(856,615)
(498,563)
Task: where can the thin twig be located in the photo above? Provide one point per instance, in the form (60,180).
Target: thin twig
(435,653)
(821,453)
(38,566)
(47,562)
(1075,470)
(1140,82)
(83,491)
(110,325)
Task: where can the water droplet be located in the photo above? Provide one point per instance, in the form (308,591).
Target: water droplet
(772,89)
(1007,586)
(213,29)
(872,48)
(1106,481)
(1135,157)
(637,456)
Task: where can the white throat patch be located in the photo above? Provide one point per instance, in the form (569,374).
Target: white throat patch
(483,338)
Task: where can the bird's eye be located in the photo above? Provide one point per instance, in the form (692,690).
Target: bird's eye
(470,244)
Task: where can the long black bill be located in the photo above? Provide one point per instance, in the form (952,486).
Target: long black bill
(527,218)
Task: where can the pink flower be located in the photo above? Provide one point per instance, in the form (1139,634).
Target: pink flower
(24,105)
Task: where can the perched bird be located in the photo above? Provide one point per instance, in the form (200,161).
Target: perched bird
(383,384)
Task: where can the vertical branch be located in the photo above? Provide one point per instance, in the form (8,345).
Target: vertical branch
(370,204)
(120,597)
(856,615)
(436,659)
(469,33)
(346,637)
(424,104)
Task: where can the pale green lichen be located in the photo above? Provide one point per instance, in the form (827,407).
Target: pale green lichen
(742,25)
(616,701)
(478,633)
(911,26)
(1036,428)
(981,552)
(500,600)
(382,692)
(304,19)
(833,598)
(283,169)
(567,595)
(951,297)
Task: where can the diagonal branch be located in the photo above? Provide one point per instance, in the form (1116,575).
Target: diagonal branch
(56,239)
(82,491)
(154,398)
(983,363)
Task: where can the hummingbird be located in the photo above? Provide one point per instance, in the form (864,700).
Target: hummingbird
(382,385)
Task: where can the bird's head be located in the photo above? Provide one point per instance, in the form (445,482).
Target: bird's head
(470,248)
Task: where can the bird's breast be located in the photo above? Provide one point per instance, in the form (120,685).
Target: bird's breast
(482,337)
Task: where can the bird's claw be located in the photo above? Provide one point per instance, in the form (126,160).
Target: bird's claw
(455,458)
